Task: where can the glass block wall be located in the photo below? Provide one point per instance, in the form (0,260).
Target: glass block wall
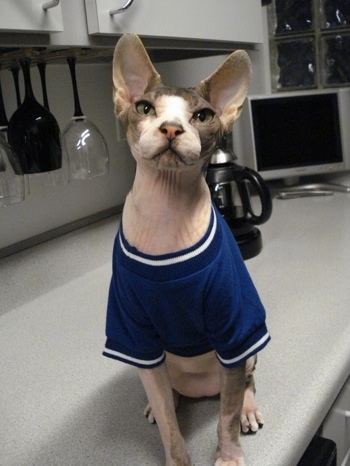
(309,44)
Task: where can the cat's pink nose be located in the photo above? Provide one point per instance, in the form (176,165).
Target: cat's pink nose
(171,130)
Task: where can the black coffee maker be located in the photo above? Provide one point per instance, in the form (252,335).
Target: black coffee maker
(231,187)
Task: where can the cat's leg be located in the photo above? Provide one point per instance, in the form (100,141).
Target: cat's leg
(148,412)
(156,383)
(251,418)
(232,387)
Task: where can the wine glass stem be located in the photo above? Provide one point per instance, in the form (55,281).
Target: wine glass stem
(77,109)
(15,74)
(25,64)
(42,70)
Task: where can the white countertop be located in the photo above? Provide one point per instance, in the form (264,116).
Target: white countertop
(62,403)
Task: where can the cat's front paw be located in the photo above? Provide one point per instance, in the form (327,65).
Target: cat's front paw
(251,418)
(251,421)
(230,455)
(224,462)
(148,413)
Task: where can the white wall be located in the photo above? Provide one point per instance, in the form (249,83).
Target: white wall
(50,207)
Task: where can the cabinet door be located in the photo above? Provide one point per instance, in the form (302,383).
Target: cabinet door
(217,20)
(30,16)
(337,424)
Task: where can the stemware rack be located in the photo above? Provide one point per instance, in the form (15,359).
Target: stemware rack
(9,57)
(12,60)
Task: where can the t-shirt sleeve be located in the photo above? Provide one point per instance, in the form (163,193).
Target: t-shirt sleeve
(235,317)
(131,338)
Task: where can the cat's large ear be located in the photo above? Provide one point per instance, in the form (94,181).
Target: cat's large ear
(133,72)
(227,87)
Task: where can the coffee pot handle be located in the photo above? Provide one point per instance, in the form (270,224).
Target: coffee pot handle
(243,174)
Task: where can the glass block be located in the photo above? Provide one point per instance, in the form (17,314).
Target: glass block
(335,13)
(293,64)
(291,16)
(335,60)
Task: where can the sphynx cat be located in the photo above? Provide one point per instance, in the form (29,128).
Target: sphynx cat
(182,307)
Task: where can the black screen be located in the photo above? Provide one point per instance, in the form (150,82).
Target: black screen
(296,131)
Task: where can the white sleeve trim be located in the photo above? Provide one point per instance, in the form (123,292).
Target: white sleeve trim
(134,360)
(246,353)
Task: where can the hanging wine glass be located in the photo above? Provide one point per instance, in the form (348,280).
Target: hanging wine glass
(60,176)
(85,145)
(15,75)
(11,176)
(33,132)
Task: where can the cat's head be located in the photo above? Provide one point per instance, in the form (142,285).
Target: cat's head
(173,128)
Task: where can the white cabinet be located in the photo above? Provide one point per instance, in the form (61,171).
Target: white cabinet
(217,20)
(163,24)
(38,16)
(337,425)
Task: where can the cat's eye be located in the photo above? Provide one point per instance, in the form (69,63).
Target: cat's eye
(204,115)
(145,108)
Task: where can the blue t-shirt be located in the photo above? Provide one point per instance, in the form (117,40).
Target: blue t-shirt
(187,303)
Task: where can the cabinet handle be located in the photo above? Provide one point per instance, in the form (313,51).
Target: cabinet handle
(50,4)
(116,11)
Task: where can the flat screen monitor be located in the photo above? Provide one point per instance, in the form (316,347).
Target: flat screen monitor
(293,134)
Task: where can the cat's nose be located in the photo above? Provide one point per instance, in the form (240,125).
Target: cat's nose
(171,130)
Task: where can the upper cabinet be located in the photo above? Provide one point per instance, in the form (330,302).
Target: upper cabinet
(34,16)
(165,25)
(210,20)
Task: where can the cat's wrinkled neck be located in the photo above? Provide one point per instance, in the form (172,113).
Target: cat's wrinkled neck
(166,210)
(181,188)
